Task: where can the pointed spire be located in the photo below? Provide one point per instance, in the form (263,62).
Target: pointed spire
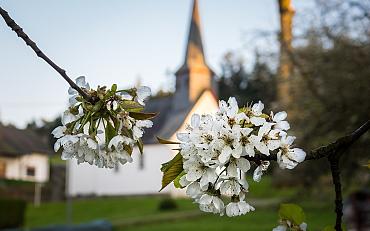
(194,48)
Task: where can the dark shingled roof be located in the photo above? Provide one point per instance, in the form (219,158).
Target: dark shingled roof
(16,142)
(167,122)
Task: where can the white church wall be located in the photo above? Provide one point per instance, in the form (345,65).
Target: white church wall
(130,179)
(206,104)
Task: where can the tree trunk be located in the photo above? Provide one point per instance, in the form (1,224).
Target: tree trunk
(285,66)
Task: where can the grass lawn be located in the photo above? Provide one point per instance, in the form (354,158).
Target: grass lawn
(128,213)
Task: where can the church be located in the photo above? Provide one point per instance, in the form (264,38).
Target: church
(196,92)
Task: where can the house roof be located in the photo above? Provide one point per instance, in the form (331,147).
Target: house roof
(16,142)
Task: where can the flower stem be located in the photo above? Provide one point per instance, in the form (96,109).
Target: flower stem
(19,31)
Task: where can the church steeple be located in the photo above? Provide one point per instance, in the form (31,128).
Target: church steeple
(194,76)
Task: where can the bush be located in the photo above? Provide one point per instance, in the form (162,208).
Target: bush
(167,204)
(12,213)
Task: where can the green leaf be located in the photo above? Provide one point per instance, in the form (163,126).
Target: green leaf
(141,146)
(114,88)
(292,212)
(176,182)
(171,170)
(328,228)
(164,141)
(110,132)
(143,115)
(97,106)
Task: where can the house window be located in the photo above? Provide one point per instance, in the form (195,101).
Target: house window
(30,171)
(141,162)
(116,168)
(2,169)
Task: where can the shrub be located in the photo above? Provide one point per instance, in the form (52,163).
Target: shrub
(167,204)
(12,213)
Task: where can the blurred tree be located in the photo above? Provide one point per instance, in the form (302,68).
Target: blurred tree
(332,85)
(44,129)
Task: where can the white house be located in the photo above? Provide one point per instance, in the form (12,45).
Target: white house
(195,93)
(23,155)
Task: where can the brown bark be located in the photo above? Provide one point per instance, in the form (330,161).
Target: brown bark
(285,65)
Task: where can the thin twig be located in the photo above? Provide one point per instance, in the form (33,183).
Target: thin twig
(19,31)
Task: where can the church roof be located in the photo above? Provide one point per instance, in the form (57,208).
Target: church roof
(194,56)
(15,142)
(169,119)
(167,122)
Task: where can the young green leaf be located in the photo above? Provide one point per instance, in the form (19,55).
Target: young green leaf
(142,115)
(292,212)
(176,182)
(328,228)
(171,170)
(110,132)
(140,146)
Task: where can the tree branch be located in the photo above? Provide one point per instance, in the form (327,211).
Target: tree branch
(334,168)
(19,31)
(334,149)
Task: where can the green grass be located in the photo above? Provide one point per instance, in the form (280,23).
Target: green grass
(98,208)
(129,212)
(259,220)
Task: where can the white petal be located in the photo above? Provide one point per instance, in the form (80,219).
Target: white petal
(68,117)
(72,91)
(283,125)
(144,123)
(232,170)
(266,127)
(193,190)
(299,154)
(243,164)
(258,121)
(144,92)
(205,199)
(225,154)
(183,137)
(237,152)
(303,226)
(125,95)
(218,203)
(59,131)
(289,140)
(280,228)
(194,174)
(273,144)
(195,120)
(57,145)
(280,116)
(262,148)
(249,148)
(66,155)
(257,174)
(257,108)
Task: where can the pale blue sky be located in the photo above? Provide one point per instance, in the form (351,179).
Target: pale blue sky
(113,42)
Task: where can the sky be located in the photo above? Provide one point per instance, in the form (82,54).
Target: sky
(116,41)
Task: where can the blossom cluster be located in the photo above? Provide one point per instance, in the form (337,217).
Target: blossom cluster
(216,151)
(103,130)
